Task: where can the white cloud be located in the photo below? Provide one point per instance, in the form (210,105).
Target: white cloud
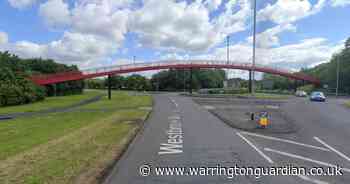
(55,13)
(305,53)
(101,18)
(80,49)
(73,48)
(233,20)
(288,11)
(341,3)
(269,37)
(212,4)
(21,4)
(28,49)
(174,56)
(185,26)
(3,38)
(171,25)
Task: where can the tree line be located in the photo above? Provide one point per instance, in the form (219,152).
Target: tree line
(16,88)
(326,72)
(167,80)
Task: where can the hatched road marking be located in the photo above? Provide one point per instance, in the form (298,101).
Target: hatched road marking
(285,140)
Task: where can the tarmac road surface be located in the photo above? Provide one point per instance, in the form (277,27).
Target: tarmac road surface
(181,133)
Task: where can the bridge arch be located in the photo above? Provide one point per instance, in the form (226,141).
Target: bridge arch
(166,64)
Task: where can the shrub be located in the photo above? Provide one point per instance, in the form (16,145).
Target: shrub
(15,89)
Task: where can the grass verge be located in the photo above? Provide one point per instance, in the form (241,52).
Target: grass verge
(50,102)
(347,104)
(266,96)
(73,147)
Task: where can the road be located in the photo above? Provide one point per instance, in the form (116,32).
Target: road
(202,140)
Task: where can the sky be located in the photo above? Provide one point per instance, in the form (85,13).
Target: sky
(291,34)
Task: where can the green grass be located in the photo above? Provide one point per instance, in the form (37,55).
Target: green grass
(22,134)
(347,104)
(121,100)
(266,96)
(50,102)
(71,147)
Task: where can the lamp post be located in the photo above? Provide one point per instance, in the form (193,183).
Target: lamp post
(228,54)
(254,45)
(337,89)
(228,50)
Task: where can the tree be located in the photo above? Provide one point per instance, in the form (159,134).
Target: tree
(117,82)
(137,82)
(347,44)
(16,89)
(179,79)
(327,72)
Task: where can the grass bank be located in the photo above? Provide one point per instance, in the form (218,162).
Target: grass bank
(347,104)
(245,95)
(71,147)
(266,96)
(51,102)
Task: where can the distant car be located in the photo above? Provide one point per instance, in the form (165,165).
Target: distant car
(300,94)
(317,96)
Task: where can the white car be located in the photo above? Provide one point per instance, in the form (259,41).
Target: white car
(300,94)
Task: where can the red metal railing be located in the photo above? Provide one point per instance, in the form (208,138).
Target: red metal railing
(121,69)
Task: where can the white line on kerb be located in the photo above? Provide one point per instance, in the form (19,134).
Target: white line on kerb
(285,140)
(312,180)
(331,148)
(254,147)
(304,158)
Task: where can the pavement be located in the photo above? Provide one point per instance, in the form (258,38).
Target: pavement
(181,133)
(69,108)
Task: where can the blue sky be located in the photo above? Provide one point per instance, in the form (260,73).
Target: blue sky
(93,33)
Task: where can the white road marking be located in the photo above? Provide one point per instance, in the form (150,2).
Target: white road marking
(312,180)
(173,101)
(254,147)
(304,158)
(285,140)
(331,148)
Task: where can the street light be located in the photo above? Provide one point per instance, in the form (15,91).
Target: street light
(254,45)
(228,54)
(228,50)
(337,89)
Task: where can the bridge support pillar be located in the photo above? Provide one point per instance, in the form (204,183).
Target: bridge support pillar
(55,89)
(191,83)
(295,85)
(109,87)
(250,82)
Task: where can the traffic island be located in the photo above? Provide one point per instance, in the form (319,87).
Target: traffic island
(237,113)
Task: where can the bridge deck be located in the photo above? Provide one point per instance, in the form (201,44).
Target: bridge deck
(122,69)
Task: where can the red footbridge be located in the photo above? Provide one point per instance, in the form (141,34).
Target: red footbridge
(166,64)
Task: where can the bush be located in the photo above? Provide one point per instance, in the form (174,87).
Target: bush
(16,89)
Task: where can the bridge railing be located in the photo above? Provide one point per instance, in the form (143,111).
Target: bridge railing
(76,75)
(116,68)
